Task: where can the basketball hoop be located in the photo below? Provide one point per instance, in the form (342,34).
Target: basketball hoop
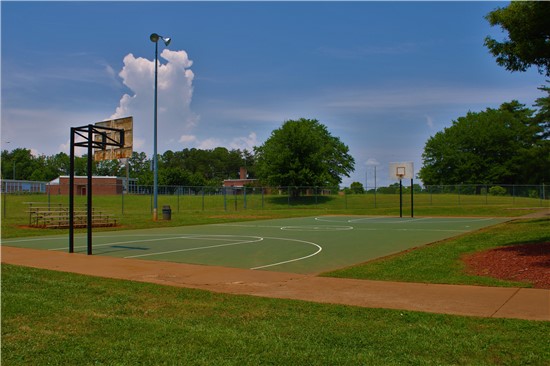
(399,171)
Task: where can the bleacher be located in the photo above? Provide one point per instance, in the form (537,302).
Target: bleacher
(56,216)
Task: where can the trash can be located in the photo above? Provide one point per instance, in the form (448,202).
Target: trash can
(166,213)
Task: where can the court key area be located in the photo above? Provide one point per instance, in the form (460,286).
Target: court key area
(299,245)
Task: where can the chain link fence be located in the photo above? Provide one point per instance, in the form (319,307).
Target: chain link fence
(139,198)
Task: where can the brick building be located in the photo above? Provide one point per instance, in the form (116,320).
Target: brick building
(241,182)
(100,185)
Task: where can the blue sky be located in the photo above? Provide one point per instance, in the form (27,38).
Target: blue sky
(382,76)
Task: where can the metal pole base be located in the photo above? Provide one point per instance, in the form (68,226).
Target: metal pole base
(155,215)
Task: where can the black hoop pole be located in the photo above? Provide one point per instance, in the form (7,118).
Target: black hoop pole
(412,198)
(71,194)
(87,134)
(400,197)
(89,190)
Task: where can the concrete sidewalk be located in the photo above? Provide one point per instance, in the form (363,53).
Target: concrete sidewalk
(496,302)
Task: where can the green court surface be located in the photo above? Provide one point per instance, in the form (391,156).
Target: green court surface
(299,245)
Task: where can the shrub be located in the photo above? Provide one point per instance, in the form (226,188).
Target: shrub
(497,191)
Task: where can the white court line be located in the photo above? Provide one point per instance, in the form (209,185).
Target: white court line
(423,230)
(244,225)
(258,239)
(190,236)
(226,237)
(10,241)
(291,260)
(316,228)
(385,220)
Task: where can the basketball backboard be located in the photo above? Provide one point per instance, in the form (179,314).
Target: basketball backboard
(402,170)
(113,152)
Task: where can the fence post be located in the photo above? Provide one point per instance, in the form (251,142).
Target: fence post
(412,198)
(4,204)
(345,199)
(288,194)
(225,198)
(315,193)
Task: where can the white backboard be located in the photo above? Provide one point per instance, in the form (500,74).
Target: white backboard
(402,170)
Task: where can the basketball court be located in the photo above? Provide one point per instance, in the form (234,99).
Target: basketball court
(299,245)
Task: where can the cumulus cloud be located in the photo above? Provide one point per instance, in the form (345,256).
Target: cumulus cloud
(209,144)
(188,139)
(245,143)
(240,143)
(175,92)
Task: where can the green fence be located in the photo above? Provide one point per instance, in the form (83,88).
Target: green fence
(183,198)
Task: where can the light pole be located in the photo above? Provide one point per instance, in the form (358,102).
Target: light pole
(155,38)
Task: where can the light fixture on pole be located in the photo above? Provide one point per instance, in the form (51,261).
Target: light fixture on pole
(155,38)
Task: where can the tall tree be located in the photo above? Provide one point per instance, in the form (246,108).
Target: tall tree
(528,27)
(303,153)
(494,146)
(543,115)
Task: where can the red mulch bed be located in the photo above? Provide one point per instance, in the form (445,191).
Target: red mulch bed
(525,263)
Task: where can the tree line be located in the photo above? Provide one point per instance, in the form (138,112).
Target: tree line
(510,144)
(189,167)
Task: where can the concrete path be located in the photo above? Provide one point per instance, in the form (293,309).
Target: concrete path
(496,302)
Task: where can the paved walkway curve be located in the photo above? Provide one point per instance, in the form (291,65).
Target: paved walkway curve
(497,302)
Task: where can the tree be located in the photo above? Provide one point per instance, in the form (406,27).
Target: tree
(302,153)
(494,146)
(109,168)
(528,27)
(543,115)
(356,187)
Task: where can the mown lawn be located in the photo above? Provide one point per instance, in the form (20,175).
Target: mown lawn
(58,318)
(135,211)
(53,318)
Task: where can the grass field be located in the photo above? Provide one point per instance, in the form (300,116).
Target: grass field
(60,318)
(135,211)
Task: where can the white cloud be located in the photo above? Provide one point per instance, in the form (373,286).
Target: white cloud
(43,131)
(241,143)
(244,143)
(187,139)
(429,121)
(175,92)
(209,144)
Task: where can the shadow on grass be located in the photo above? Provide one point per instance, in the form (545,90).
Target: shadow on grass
(300,200)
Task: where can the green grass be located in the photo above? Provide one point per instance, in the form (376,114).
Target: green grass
(441,262)
(135,211)
(59,318)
